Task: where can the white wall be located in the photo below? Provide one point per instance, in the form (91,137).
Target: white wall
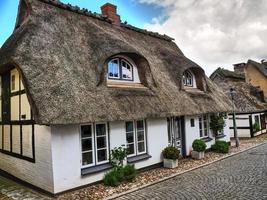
(242,120)
(39,173)
(66,151)
(192,133)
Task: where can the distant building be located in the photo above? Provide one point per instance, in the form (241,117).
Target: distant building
(255,73)
(249,102)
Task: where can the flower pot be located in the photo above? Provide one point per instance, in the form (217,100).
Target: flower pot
(197,155)
(169,163)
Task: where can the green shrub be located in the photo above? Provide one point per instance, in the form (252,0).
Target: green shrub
(256,127)
(199,145)
(220,147)
(171,153)
(129,172)
(118,154)
(217,123)
(112,178)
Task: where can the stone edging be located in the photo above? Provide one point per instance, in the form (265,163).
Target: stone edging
(179,173)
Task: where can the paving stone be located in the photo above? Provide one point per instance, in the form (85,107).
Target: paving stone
(243,176)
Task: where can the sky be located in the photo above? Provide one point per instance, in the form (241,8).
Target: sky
(213,33)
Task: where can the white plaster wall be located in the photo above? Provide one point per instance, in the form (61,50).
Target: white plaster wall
(244,123)
(192,133)
(66,151)
(157,140)
(39,173)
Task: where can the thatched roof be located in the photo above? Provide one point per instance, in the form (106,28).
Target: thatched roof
(61,51)
(247,97)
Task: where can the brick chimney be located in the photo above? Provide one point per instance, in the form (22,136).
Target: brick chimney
(240,68)
(110,11)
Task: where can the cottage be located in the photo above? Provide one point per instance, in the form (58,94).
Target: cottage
(76,85)
(249,103)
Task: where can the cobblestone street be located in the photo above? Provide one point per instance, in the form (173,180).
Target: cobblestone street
(243,176)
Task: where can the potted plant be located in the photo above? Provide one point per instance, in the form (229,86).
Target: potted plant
(170,156)
(199,147)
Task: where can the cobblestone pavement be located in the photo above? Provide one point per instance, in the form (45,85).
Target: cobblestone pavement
(243,176)
(10,190)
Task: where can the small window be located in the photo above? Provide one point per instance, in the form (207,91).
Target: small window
(120,69)
(135,137)
(94,144)
(203,126)
(13,82)
(188,79)
(192,122)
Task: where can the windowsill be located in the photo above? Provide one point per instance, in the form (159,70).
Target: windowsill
(125,84)
(207,139)
(138,158)
(220,136)
(95,169)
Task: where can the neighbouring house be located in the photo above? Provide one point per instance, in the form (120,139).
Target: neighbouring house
(255,73)
(76,85)
(249,102)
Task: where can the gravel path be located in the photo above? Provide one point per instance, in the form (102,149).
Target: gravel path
(243,176)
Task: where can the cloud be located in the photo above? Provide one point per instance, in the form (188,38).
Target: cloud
(214,33)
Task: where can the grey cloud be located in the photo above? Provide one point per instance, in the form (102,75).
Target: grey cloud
(214,32)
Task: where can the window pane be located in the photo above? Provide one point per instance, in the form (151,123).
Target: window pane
(100,129)
(140,135)
(87,158)
(126,70)
(130,149)
(87,144)
(140,125)
(130,137)
(101,142)
(141,147)
(129,126)
(113,68)
(14,80)
(86,131)
(101,155)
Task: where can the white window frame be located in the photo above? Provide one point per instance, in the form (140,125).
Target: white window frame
(131,67)
(187,75)
(121,59)
(202,122)
(119,71)
(136,142)
(107,145)
(94,145)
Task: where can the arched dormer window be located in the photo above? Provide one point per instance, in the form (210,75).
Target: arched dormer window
(188,79)
(120,69)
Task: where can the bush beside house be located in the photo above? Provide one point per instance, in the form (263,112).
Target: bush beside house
(220,147)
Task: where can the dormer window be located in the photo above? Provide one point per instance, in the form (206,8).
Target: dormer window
(188,79)
(120,69)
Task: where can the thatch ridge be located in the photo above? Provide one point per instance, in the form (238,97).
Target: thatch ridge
(62,57)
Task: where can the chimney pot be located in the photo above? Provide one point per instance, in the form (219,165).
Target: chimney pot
(110,11)
(240,68)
